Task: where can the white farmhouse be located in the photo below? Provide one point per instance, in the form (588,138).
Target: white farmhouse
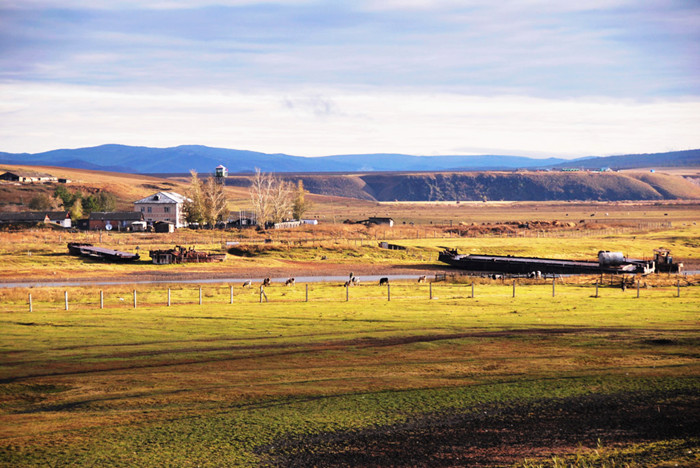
(162,206)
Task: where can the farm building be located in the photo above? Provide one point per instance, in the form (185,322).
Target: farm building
(380,221)
(28,177)
(61,218)
(162,206)
(117,220)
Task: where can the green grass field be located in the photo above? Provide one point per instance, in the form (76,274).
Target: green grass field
(224,384)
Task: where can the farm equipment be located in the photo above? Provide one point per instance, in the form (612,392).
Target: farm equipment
(664,262)
(100,253)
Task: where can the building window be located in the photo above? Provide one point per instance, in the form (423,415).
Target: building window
(143,209)
(166,209)
(149,209)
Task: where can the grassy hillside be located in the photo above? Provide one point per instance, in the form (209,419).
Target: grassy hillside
(125,187)
(516,186)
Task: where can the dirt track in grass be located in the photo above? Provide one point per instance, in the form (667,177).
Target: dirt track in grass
(500,434)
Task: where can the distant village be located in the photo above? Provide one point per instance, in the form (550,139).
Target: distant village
(158,212)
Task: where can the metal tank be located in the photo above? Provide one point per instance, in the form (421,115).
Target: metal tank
(607,258)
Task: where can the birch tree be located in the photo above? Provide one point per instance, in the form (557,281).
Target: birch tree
(271,198)
(206,202)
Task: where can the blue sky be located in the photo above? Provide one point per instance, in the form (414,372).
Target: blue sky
(531,77)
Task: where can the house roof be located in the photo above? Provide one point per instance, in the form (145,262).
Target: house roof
(26,173)
(34,216)
(116,216)
(163,197)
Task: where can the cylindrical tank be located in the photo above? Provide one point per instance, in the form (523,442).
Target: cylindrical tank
(607,258)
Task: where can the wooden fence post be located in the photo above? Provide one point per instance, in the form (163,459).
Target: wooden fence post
(388,292)
(472,289)
(200,295)
(431,290)
(347,292)
(168,297)
(30,302)
(596,289)
(637,288)
(307,292)
(102,299)
(513,288)
(134,298)
(230,287)
(678,288)
(554,282)
(65,296)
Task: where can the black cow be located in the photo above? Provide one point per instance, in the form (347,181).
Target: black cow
(383,281)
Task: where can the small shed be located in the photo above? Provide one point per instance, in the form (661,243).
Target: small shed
(163,226)
(380,221)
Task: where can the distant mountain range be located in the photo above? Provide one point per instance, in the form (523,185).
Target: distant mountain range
(180,159)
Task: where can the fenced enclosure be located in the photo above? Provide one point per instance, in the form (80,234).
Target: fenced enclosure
(508,291)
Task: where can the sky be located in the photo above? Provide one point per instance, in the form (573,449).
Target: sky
(535,78)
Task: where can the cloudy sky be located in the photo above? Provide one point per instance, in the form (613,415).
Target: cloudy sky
(305,77)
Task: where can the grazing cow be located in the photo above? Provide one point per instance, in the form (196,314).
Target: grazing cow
(421,279)
(355,281)
(247,283)
(289,282)
(266,282)
(384,280)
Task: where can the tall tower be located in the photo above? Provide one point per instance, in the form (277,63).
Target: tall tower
(221,174)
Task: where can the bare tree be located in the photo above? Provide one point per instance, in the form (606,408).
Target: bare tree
(214,202)
(260,196)
(271,198)
(193,203)
(301,205)
(281,201)
(206,201)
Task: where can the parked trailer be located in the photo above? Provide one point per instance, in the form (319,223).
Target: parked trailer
(527,265)
(100,253)
(183,255)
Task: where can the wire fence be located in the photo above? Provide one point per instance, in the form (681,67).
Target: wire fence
(85,298)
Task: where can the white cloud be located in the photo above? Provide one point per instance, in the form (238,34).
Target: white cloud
(322,122)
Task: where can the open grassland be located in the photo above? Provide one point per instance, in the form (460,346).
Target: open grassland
(440,213)
(361,382)
(321,250)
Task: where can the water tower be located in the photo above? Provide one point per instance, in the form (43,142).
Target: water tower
(221,174)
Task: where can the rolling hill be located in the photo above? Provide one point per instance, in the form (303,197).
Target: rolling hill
(180,159)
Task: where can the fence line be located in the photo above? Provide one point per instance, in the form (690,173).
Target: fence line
(280,294)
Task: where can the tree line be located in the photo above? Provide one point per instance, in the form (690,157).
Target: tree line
(75,202)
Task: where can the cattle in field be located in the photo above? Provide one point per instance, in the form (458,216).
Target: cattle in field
(355,281)
(421,279)
(384,280)
(247,283)
(266,282)
(289,282)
